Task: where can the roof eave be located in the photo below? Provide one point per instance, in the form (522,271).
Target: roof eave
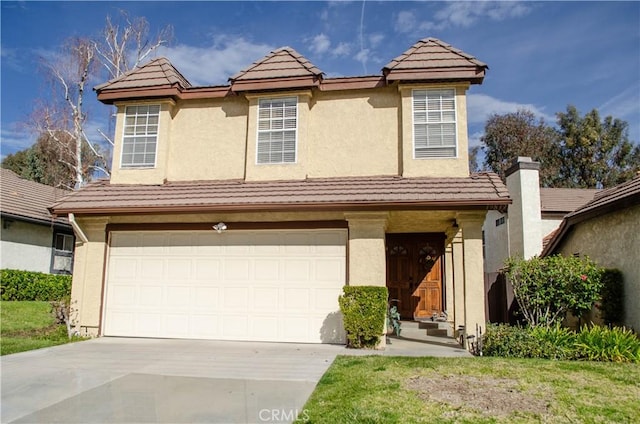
(482,204)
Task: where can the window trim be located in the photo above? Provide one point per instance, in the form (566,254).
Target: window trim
(124,126)
(455,122)
(258,130)
(62,253)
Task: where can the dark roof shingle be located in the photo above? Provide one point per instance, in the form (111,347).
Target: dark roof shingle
(20,198)
(606,201)
(481,190)
(156,73)
(564,200)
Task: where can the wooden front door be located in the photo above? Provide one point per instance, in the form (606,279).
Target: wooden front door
(414,273)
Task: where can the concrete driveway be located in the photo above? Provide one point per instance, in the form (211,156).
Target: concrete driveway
(121,380)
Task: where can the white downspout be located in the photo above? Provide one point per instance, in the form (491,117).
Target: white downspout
(77,229)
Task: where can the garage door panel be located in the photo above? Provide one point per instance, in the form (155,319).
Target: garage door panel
(254,285)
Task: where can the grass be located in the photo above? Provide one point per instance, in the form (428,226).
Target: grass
(377,389)
(28,325)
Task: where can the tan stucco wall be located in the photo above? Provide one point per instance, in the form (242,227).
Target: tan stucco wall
(453,167)
(496,239)
(25,246)
(340,133)
(612,241)
(208,140)
(88,271)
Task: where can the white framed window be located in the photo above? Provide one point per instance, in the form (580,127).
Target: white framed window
(140,139)
(277,130)
(64,243)
(62,254)
(434,124)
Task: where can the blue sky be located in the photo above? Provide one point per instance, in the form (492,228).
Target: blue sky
(541,55)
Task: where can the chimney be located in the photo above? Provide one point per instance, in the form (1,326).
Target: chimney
(523,182)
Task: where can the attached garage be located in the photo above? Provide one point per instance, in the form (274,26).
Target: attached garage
(254,285)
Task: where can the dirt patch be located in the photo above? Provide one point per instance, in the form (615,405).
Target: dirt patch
(490,396)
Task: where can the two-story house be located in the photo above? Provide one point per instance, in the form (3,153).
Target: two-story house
(239,212)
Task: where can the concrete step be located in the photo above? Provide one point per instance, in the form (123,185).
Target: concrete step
(437,332)
(426,329)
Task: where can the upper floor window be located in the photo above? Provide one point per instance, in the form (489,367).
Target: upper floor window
(140,138)
(434,124)
(277,130)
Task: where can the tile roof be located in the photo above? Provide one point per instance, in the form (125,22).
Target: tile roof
(479,190)
(564,200)
(433,59)
(606,201)
(157,73)
(281,63)
(20,198)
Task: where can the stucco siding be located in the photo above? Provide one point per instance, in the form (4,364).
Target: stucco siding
(26,246)
(548,225)
(612,241)
(496,241)
(208,140)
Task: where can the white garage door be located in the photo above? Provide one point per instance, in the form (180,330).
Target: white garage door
(239,285)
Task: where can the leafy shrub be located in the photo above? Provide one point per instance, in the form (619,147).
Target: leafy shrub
(595,343)
(612,293)
(27,285)
(616,344)
(363,309)
(526,342)
(547,288)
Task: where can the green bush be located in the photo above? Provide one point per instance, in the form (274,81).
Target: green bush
(26,285)
(364,311)
(594,343)
(526,342)
(612,293)
(616,344)
(547,288)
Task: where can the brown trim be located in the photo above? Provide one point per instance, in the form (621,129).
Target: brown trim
(109,97)
(298,207)
(353,83)
(207,226)
(275,84)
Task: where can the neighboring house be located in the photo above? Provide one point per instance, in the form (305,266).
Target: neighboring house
(607,230)
(31,238)
(524,228)
(239,212)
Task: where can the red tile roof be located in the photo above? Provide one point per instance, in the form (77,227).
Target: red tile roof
(564,200)
(429,60)
(157,73)
(432,59)
(352,193)
(606,201)
(284,65)
(24,199)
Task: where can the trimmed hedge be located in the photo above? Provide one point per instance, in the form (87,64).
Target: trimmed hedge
(595,343)
(364,309)
(27,285)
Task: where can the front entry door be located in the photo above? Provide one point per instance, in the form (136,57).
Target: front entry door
(414,273)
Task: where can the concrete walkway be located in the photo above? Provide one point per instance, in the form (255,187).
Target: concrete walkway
(126,380)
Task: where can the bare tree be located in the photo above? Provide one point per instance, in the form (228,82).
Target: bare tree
(80,62)
(125,44)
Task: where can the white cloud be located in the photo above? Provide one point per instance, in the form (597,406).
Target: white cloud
(481,106)
(214,64)
(13,139)
(461,14)
(405,21)
(320,44)
(623,105)
(342,49)
(375,39)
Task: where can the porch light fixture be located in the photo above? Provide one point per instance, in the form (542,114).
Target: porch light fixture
(220,227)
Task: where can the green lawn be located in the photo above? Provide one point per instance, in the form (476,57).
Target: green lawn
(27,326)
(376,389)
